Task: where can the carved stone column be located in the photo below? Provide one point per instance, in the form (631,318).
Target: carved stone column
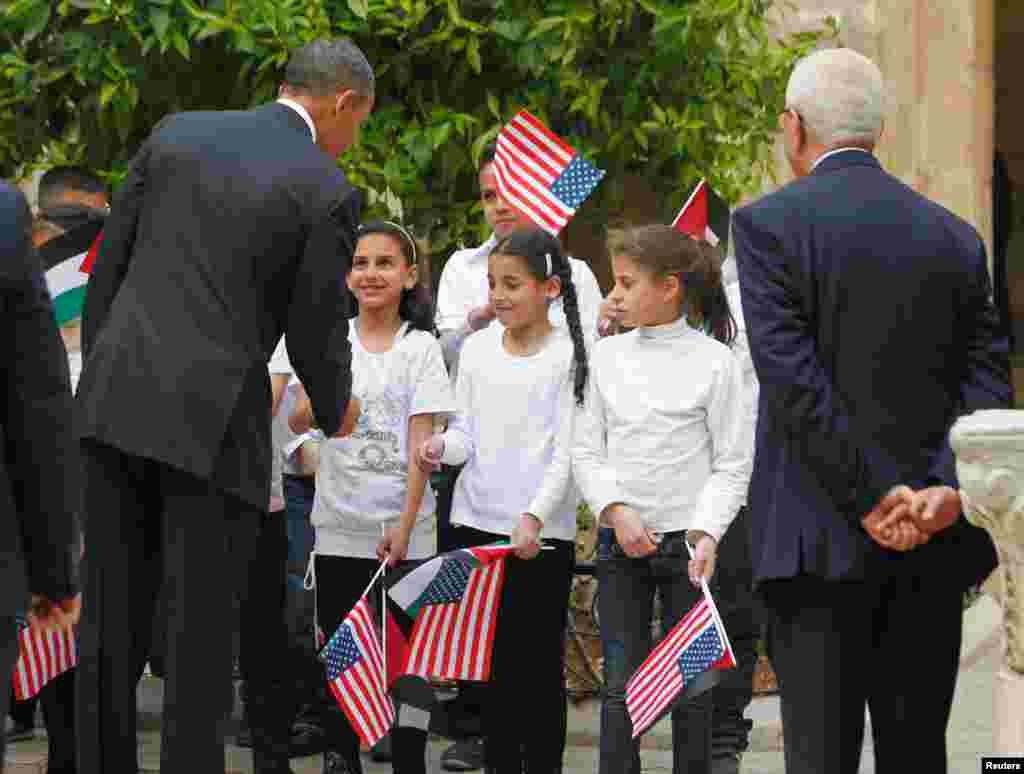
(989,448)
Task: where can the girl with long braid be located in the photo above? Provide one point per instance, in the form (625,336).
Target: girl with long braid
(516,394)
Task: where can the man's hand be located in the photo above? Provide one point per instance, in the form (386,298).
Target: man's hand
(45,615)
(480,317)
(889,523)
(301,418)
(526,536)
(704,553)
(394,546)
(935,508)
(348,422)
(634,538)
(428,455)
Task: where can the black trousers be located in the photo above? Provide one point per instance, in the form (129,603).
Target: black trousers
(740,609)
(152,529)
(525,709)
(892,646)
(8,657)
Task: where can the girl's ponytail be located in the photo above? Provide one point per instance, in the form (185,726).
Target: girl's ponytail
(705,294)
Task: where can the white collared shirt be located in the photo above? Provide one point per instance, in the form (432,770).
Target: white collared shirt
(824,156)
(302,112)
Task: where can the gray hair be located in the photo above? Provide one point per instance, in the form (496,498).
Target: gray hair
(839,95)
(327,66)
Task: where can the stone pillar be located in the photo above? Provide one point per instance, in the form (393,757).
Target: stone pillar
(989,448)
(938,60)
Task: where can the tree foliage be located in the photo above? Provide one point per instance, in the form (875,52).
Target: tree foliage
(670,90)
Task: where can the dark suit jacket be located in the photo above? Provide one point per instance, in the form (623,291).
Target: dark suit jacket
(871,329)
(38,457)
(231,229)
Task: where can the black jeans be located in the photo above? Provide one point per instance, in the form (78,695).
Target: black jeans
(525,706)
(740,609)
(626,589)
(8,657)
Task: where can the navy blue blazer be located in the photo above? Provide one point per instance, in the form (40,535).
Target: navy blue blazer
(872,329)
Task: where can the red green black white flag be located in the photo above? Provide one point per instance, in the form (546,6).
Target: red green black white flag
(705,216)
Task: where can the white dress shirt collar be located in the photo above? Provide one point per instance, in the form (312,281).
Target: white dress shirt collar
(824,156)
(302,112)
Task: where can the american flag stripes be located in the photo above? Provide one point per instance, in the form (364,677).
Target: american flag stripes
(355,673)
(686,662)
(540,175)
(41,658)
(454,601)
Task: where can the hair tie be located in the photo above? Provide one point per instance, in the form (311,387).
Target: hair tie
(547,257)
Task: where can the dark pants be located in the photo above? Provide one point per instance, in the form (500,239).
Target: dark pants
(893,647)
(625,605)
(8,657)
(739,608)
(58,700)
(525,706)
(152,529)
(299,493)
(339,582)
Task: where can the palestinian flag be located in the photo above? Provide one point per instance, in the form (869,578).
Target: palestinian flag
(705,216)
(443,614)
(67,261)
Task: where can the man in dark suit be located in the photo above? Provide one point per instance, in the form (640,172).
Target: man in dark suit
(231,229)
(38,484)
(871,329)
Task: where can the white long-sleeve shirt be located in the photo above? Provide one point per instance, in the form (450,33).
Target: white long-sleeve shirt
(664,430)
(513,429)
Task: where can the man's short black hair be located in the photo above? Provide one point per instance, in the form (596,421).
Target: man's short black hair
(58,181)
(327,66)
(487,156)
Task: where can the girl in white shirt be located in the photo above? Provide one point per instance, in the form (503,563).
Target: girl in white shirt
(663,452)
(517,387)
(372,500)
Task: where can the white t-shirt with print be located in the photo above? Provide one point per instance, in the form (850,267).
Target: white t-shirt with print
(362,480)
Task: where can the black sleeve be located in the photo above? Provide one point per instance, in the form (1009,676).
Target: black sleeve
(317,325)
(41,458)
(115,250)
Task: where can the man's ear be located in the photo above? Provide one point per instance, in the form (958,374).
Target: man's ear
(345,99)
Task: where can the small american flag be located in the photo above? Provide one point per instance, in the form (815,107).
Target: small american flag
(355,673)
(540,175)
(41,658)
(454,601)
(685,663)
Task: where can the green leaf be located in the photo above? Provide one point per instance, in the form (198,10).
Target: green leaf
(473,54)
(510,30)
(360,8)
(107,93)
(181,45)
(494,105)
(160,18)
(37,20)
(545,25)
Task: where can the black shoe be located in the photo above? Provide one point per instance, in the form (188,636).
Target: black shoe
(19,732)
(381,752)
(464,756)
(307,739)
(335,763)
(729,764)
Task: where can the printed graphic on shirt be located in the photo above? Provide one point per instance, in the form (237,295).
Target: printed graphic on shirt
(377,431)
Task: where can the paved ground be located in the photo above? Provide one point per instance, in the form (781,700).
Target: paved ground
(970,733)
